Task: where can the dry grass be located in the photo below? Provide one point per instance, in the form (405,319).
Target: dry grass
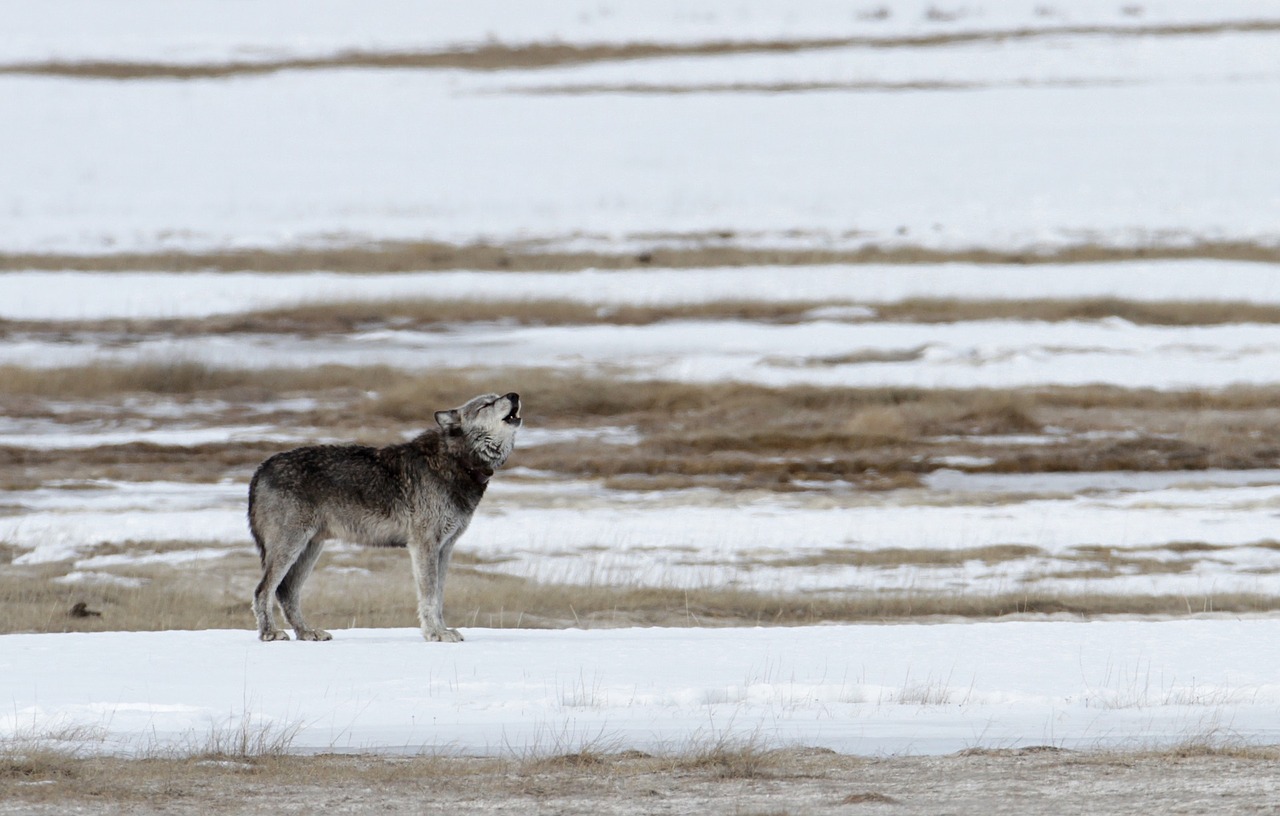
(428,314)
(371,588)
(678,252)
(423,314)
(501,56)
(721,434)
(999,782)
(1170,313)
(564,397)
(891,557)
(395,783)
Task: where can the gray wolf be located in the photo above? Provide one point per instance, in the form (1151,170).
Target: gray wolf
(420,494)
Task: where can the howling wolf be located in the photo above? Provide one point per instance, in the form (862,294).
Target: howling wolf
(419,494)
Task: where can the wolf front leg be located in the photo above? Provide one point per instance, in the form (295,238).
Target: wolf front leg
(428,577)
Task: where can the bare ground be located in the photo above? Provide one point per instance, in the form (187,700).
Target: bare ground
(991,783)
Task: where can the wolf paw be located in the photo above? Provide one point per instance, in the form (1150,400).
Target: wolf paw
(442,635)
(314,634)
(273,634)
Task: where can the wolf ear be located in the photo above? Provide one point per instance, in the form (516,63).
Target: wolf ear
(450,420)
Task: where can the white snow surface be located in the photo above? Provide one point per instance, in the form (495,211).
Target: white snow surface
(902,689)
(88,295)
(353,157)
(222,30)
(982,353)
(577,533)
(1028,142)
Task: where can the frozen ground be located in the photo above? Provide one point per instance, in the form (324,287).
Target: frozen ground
(856,689)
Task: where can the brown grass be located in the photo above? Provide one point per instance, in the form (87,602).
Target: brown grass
(372,590)
(995,781)
(720,434)
(501,56)
(1168,313)
(424,314)
(891,557)
(564,397)
(202,782)
(687,252)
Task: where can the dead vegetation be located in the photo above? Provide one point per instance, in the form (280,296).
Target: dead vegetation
(371,588)
(1158,313)
(723,435)
(677,252)
(496,56)
(685,779)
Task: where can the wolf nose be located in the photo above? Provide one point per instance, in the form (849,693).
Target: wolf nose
(514,397)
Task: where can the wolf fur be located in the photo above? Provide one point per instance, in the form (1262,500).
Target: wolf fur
(420,494)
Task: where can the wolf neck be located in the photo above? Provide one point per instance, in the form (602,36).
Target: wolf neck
(472,476)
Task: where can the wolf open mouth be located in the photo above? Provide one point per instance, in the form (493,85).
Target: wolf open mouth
(513,418)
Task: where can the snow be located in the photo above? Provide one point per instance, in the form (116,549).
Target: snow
(1035,149)
(1031,142)
(925,689)
(88,296)
(979,353)
(50,435)
(578,533)
(215,30)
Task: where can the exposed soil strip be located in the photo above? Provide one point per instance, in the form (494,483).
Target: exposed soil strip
(500,56)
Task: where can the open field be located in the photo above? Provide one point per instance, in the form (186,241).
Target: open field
(902,426)
(934,129)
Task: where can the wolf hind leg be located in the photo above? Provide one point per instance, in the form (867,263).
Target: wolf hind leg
(289,593)
(280,551)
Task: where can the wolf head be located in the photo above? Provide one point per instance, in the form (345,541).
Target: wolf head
(487,424)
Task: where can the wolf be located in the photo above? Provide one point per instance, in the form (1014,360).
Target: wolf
(420,494)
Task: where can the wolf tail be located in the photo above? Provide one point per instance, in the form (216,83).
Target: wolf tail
(253,521)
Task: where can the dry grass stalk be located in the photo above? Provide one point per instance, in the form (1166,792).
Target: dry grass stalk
(676,251)
(372,590)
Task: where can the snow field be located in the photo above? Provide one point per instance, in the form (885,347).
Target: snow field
(855,689)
